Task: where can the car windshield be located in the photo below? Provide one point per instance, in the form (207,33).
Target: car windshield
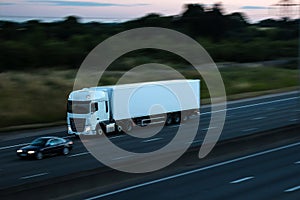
(39,142)
(78,107)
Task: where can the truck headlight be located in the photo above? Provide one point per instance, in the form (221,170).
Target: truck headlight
(31,152)
(87,129)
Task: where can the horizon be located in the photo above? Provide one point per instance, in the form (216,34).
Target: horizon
(126,10)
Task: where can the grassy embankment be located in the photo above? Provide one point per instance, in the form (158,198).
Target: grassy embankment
(40,96)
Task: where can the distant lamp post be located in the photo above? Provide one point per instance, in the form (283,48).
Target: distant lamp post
(286,11)
(286,8)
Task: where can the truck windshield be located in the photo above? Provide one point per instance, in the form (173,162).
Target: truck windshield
(78,107)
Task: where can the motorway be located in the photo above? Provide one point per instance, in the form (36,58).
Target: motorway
(269,174)
(244,117)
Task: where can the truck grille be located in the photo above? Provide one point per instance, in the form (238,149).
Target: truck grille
(77,124)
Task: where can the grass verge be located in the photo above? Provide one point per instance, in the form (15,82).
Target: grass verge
(40,96)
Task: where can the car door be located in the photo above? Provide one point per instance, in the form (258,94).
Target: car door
(59,145)
(49,147)
(94,113)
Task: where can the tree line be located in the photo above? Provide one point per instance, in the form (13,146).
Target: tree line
(227,37)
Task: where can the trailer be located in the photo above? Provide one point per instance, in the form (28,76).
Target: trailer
(120,108)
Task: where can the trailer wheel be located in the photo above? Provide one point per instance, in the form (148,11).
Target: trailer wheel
(128,126)
(169,120)
(185,118)
(177,118)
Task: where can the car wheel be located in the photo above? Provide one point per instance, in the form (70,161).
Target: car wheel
(39,156)
(66,151)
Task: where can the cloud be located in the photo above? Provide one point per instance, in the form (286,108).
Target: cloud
(6,4)
(254,8)
(84,3)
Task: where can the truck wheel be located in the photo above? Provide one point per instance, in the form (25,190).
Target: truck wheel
(99,130)
(119,128)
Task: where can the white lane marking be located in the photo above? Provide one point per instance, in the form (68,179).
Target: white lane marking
(122,157)
(152,140)
(159,122)
(293,120)
(250,129)
(269,109)
(293,189)
(242,180)
(70,136)
(297,163)
(115,137)
(258,118)
(175,126)
(195,141)
(206,129)
(79,154)
(194,116)
(33,176)
(251,105)
(195,171)
(12,146)
(19,145)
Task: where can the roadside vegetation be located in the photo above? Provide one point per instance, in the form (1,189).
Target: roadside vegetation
(40,96)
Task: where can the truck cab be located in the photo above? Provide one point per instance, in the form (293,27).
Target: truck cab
(86,110)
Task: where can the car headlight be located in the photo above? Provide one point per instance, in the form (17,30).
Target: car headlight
(70,142)
(87,128)
(19,151)
(31,152)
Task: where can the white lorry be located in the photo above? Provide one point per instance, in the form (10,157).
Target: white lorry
(118,108)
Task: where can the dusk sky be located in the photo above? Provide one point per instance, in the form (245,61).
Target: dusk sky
(121,10)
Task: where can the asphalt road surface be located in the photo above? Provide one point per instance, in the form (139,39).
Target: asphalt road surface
(244,117)
(268,174)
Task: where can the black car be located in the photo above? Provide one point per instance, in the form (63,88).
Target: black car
(45,146)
